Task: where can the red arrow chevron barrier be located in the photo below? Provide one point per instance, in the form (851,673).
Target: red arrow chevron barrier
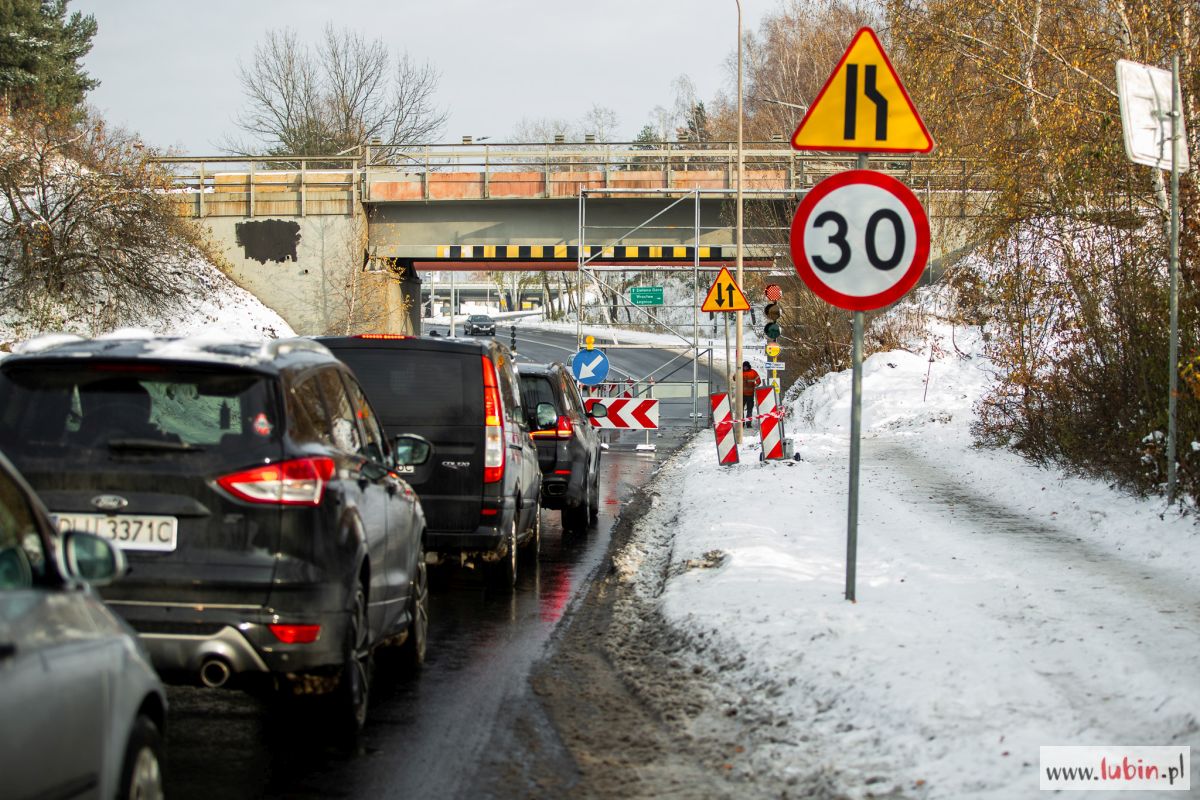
(624,413)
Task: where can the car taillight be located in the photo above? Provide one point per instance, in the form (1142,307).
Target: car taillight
(493,421)
(296,634)
(299,482)
(381,336)
(565,431)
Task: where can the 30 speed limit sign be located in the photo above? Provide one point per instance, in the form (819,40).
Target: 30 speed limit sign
(860,240)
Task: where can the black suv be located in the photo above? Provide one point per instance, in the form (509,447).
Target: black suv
(481,491)
(568,446)
(480,323)
(254,493)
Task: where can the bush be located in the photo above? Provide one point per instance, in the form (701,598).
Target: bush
(88,230)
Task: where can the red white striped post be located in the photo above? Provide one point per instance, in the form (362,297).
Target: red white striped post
(727,452)
(770,424)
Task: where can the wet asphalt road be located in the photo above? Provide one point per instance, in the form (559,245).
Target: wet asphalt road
(449,731)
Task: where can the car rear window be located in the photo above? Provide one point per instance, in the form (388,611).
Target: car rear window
(411,389)
(96,411)
(537,389)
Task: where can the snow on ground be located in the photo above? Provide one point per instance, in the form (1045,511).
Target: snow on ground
(1001,606)
(224,309)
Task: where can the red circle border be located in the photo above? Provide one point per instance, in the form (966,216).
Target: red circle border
(920,255)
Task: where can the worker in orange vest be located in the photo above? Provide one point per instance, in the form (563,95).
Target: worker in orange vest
(750,381)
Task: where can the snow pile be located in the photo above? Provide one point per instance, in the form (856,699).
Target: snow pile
(1001,607)
(221,308)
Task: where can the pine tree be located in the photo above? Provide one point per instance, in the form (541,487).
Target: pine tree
(40,50)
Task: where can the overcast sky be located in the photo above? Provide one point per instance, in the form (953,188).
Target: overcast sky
(168,68)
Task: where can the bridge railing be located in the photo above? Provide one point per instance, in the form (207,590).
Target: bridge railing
(486,171)
(234,186)
(298,185)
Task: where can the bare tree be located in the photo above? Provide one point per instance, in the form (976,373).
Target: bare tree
(335,96)
(90,237)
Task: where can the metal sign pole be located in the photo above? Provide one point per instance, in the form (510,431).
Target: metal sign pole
(855,442)
(729,368)
(1174,346)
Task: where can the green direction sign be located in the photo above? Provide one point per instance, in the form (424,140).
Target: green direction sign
(646,295)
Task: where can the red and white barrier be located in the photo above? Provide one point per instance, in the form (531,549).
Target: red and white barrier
(770,423)
(624,413)
(727,452)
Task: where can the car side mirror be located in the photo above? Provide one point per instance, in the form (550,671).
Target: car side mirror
(410,450)
(91,558)
(598,411)
(547,415)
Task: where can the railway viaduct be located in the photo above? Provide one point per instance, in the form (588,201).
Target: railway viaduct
(336,243)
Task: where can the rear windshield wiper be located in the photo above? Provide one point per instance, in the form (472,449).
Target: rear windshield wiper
(153,444)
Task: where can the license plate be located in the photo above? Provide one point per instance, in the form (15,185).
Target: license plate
(128,531)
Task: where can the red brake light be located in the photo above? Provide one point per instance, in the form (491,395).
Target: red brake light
(493,421)
(299,482)
(565,431)
(381,336)
(296,634)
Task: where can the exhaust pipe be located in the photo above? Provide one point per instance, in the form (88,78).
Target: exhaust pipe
(214,673)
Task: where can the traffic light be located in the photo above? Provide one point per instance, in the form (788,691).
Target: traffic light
(771,330)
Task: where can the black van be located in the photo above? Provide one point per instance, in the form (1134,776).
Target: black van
(481,492)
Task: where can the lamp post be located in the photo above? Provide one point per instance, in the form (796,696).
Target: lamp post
(740,166)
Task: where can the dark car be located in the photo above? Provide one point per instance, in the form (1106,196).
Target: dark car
(254,493)
(481,491)
(479,324)
(83,710)
(568,446)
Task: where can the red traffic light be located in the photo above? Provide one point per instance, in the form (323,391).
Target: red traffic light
(773,292)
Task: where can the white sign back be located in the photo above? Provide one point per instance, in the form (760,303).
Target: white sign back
(1144,94)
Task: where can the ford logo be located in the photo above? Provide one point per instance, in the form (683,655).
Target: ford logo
(109,502)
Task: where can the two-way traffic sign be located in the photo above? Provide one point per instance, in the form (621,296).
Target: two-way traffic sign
(863,107)
(589,367)
(725,295)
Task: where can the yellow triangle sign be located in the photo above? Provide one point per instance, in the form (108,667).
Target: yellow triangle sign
(863,107)
(725,295)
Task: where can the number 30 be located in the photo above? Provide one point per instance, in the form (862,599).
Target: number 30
(838,238)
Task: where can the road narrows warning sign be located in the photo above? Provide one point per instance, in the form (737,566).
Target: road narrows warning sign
(863,107)
(725,295)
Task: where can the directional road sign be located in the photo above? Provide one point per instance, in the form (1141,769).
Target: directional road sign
(860,240)
(646,295)
(863,107)
(725,295)
(589,367)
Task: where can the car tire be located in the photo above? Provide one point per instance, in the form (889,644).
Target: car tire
(575,518)
(533,545)
(503,572)
(412,652)
(594,501)
(141,771)
(349,701)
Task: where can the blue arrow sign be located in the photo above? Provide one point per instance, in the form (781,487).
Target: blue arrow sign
(589,367)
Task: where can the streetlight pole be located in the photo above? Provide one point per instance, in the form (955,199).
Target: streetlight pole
(740,167)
